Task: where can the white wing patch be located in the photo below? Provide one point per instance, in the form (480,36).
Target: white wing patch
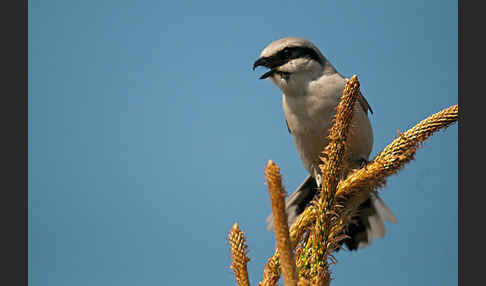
(382,209)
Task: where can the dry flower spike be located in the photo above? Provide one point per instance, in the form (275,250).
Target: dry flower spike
(277,199)
(239,251)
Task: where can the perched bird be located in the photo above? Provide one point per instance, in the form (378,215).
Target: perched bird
(312,89)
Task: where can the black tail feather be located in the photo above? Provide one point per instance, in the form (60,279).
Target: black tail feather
(305,193)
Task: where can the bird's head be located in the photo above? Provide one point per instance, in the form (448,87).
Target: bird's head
(293,63)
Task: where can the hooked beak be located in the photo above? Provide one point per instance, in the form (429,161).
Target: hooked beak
(269,62)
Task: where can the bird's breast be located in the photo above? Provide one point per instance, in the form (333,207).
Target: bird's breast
(309,119)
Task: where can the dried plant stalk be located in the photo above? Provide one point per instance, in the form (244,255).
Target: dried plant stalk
(303,282)
(353,191)
(325,234)
(277,199)
(322,279)
(373,176)
(396,154)
(271,274)
(239,251)
(305,220)
(334,153)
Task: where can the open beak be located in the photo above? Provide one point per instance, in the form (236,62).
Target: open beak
(269,62)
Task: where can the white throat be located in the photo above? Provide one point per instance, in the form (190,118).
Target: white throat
(300,77)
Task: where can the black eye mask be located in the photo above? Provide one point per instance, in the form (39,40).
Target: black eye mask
(283,57)
(291,53)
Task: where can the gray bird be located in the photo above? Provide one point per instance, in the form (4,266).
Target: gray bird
(312,89)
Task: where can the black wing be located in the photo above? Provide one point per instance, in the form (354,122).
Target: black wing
(364,103)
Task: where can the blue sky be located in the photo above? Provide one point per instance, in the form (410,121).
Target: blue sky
(149,133)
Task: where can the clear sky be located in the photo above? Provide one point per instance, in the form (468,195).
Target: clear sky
(149,134)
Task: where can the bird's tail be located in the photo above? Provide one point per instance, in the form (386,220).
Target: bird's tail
(368,223)
(365,226)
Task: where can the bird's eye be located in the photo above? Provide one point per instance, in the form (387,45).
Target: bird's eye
(286,51)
